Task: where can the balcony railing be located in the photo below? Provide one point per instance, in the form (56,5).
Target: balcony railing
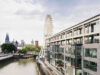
(92,41)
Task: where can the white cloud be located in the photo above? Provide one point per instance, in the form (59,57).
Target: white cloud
(22,19)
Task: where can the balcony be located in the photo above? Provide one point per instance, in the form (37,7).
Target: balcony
(59,63)
(92,41)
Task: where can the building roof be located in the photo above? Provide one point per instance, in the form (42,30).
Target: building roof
(75,25)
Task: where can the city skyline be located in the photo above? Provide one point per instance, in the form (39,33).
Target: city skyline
(23,19)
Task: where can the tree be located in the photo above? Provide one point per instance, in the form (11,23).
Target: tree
(23,51)
(8,48)
(29,48)
(39,47)
(37,50)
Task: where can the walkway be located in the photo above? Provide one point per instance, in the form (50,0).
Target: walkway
(49,69)
(5,56)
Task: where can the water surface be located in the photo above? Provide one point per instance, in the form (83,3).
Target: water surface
(18,67)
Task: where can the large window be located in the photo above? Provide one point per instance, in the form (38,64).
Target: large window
(78,50)
(87,28)
(90,52)
(78,41)
(78,31)
(69,34)
(85,73)
(90,65)
(92,27)
(92,39)
(68,59)
(68,50)
(68,42)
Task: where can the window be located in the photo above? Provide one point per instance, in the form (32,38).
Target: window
(92,27)
(72,61)
(78,41)
(91,52)
(68,42)
(78,50)
(69,34)
(85,73)
(78,31)
(87,29)
(90,65)
(68,59)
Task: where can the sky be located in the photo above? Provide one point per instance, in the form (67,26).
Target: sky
(25,19)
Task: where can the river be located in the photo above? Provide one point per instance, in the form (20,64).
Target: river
(18,67)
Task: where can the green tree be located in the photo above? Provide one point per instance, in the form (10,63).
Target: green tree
(23,51)
(8,48)
(39,47)
(37,50)
(29,48)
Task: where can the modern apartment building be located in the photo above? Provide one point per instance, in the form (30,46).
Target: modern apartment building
(76,50)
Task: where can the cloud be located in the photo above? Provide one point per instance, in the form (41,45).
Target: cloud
(77,13)
(24,19)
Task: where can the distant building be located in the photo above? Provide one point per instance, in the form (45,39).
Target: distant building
(22,43)
(16,43)
(32,42)
(36,44)
(7,38)
(48,27)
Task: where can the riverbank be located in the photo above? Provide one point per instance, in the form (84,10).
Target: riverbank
(16,56)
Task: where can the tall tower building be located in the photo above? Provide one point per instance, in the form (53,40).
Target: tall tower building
(23,43)
(7,38)
(48,27)
(36,44)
